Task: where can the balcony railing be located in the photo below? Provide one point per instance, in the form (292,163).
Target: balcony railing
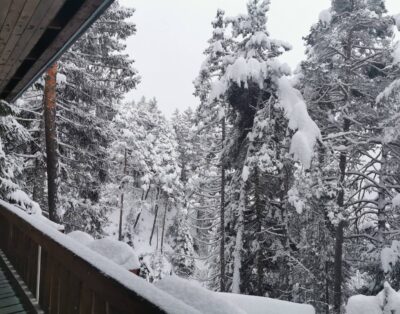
(66,277)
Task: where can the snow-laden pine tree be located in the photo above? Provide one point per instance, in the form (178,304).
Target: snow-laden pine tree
(266,111)
(145,194)
(14,137)
(207,202)
(93,76)
(346,68)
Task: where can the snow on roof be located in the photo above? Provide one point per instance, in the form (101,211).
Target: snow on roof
(117,251)
(80,236)
(136,284)
(223,303)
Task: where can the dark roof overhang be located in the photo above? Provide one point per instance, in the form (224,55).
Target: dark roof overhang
(34,34)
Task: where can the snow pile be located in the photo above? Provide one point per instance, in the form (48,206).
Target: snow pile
(361,304)
(82,237)
(396,53)
(325,16)
(295,200)
(396,200)
(61,79)
(117,251)
(307,131)
(23,200)
(395,85)
(387,301)
(196,296)
(390,256)
(388,91)
(48,222)
(144,289)
(223,303)
(397,21)
(262,305)
(392,300)
(245,70)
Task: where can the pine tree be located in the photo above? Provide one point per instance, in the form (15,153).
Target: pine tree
(343,74)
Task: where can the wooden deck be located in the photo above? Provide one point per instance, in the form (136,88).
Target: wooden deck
(10,297)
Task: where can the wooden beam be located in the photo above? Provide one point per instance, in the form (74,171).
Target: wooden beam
(41,17)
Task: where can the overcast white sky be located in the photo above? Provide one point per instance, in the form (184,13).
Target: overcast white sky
(172,34)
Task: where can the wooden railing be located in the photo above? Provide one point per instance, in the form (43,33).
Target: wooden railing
(62,281)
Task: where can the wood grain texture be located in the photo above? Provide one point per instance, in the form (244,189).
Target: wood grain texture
(69,284)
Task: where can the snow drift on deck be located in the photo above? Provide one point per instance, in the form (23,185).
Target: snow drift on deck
(223,303)
(387,301)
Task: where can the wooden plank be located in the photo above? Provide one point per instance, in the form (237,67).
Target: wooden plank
(74,287)
(86,300)
(64,290)
(6,295)
(18,29)
(9,301)
(12,309)
(55,290)
(68,31)
(40,19)
(5,6)
(13,14)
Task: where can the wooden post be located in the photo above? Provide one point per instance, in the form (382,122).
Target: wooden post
(49,104)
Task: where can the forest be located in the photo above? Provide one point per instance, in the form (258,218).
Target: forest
(279,183)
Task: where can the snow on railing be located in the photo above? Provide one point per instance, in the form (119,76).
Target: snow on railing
(66,275)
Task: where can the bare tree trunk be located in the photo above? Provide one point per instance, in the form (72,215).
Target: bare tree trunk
(39,180)
(122,200)
(155,217)
(163,226)
(222,218)
(49,104)
(258,207)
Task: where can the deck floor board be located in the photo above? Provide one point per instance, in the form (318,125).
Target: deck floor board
(9,299)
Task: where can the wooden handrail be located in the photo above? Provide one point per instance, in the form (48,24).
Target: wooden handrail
(69,283)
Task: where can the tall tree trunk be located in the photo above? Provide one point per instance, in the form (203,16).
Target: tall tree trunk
(39,179)
(163,226)
(122,199)
(222,243)
(338,264)
(259,255)
(49,104)
(237,254)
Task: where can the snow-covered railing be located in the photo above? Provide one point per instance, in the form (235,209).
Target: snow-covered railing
(67,277)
